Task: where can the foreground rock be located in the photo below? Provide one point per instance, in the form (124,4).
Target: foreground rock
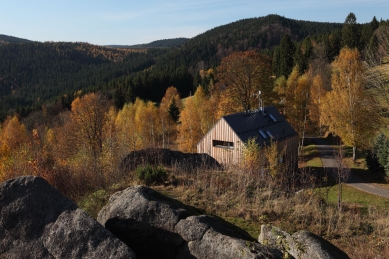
(36,221)
(166,157)
(158,227)
(302,244)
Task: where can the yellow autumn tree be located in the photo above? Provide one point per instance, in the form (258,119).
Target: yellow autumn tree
(348,110)
(14,150)
(317,93)
(110,157)
(146,116)
(296,101)
(13,135)
(190,128)
(126,131)
(88,116)
(204,109)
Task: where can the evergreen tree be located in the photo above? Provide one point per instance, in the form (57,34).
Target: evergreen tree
(174,111)
(287,50)
(374,24)
(350,32)
(381,149)
(333,45)
(119,98)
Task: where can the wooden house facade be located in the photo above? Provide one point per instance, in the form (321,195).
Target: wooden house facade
(226,140)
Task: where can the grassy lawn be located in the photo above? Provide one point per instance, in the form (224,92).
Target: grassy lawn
(310,157)
(314,162)
(354,196)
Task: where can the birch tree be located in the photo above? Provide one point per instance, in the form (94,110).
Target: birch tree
(347,109)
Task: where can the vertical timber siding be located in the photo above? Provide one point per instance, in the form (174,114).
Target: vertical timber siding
(223,132)
(291,148)
(265,126)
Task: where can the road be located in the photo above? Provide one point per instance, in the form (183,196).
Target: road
(327,157)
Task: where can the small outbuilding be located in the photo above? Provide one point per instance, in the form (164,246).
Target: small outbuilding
(226,140)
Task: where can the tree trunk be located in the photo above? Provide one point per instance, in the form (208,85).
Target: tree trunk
(354,153)
(340,196)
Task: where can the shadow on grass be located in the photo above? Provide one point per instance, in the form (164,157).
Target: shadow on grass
(309,152)
(370,177)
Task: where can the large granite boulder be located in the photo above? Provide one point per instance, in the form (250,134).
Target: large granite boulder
(159,227)
(302,244)
(166,157)
(37,221)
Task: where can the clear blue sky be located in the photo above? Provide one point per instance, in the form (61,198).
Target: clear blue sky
(130,22)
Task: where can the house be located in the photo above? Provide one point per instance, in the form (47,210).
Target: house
(226,139)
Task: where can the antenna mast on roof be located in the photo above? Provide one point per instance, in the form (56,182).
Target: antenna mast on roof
(260,104)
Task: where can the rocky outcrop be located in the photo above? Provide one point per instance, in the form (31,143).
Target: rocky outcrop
(302,244)
(159,227)
(166,157)
(37,221)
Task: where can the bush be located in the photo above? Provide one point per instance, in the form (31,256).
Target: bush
(151,174)
(378,159)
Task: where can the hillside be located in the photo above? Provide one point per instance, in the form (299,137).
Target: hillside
(33,73)
(262,33)
(166,43)
(4,39)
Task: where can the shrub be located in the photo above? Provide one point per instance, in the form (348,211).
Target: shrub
(151,174)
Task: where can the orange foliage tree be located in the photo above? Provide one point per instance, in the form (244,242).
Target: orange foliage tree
(15,151)
(89,115)
(243,74)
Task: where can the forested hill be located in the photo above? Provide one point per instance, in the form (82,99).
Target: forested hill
(32,73)
(4,39)
(166,43)
(261,33)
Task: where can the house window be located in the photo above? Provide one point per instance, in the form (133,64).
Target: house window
(223,144)
(268,133)
(262,134)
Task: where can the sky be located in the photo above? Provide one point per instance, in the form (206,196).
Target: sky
(129,22)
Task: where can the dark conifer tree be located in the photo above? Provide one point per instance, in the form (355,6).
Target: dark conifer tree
(119,98)
(351,32)
(174,111)
(287,51)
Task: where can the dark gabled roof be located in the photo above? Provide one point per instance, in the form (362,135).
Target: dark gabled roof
(264,125)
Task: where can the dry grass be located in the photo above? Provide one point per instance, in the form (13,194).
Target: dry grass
(249,199)
(362,222)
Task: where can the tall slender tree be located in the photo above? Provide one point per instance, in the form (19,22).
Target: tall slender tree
(287,51)
(351,32)
(347,109)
